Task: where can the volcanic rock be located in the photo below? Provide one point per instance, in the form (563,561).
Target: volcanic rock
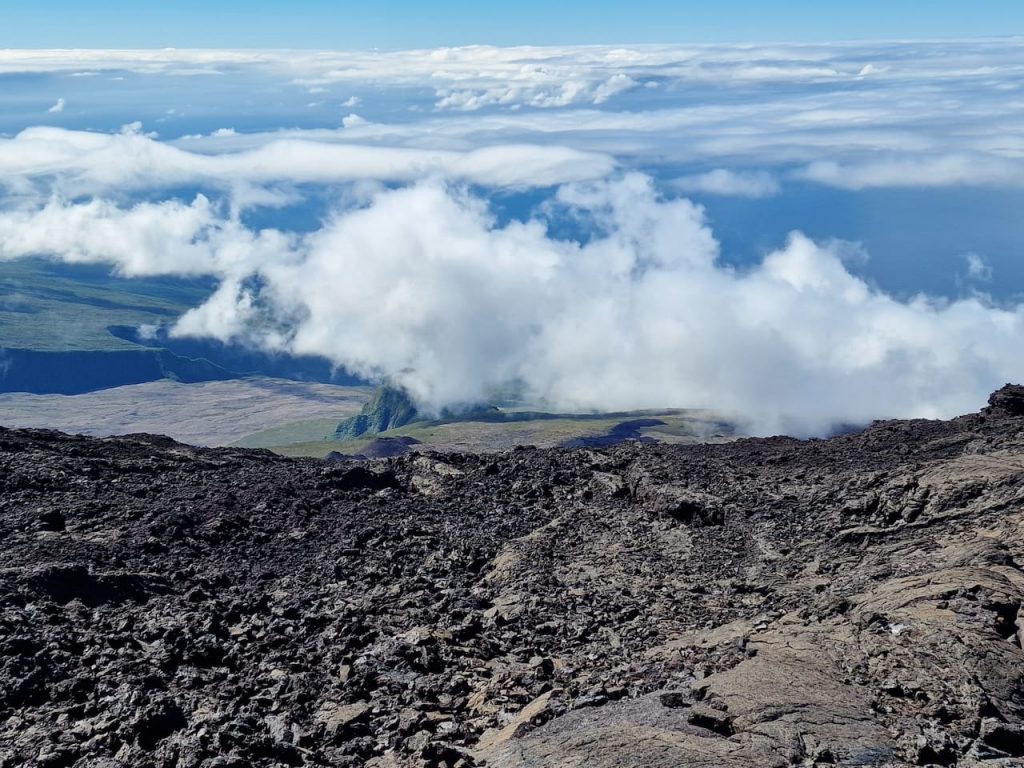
(856,601)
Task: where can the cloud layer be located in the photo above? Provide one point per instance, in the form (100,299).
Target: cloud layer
(854,116)
(421,286)
(80,162)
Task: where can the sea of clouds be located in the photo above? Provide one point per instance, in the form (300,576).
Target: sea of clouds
(411,276)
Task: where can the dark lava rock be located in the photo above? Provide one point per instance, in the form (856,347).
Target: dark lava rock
(158,721)
(381,448)
(52,520)
(674,699)
(1008,401)
(852,601)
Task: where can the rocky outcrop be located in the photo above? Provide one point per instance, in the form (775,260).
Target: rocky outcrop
(1008,401)
(849,602)
(390,408)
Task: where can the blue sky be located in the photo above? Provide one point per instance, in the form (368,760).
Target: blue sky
(410,23)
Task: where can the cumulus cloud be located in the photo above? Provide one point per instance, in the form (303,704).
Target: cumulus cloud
(541,93)
(353,121)
(57,108)
(167,238)
(422,286)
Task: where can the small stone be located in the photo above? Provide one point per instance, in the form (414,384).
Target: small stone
(591,700)
(705,716)
(674,699)
(341,720)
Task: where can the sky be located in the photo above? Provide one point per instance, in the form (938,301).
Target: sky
(804,235)
(397,24)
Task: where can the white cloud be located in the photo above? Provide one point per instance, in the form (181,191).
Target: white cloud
(351,102)
(162,238)
(167,238)
(221,133)
(613,86)
(936,171)
(421,285)
(978,267)
(853,115)
(58,107)
(82,162)
(729,183)
(353,121)
(542,93)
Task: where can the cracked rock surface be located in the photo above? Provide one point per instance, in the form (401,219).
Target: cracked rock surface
(851,602)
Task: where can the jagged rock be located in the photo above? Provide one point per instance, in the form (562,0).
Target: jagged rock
(674,700)
(340,720)
(156,722)
(1005,737)
(1008,401)
(717,720)
(518,725)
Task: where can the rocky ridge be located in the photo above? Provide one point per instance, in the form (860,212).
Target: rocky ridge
(851,602)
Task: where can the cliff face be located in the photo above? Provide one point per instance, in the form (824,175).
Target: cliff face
(389,408)
(852,602)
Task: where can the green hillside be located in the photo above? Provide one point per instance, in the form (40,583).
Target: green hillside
(51,307)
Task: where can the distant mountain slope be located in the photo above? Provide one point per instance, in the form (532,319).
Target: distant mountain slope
(762,603)
(208,413)
(73,329)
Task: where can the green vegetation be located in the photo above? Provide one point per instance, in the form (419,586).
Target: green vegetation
(473,435)
(52,307)
(298,432)
(390,408)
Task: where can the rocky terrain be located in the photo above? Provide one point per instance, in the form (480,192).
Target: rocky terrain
(850,602)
